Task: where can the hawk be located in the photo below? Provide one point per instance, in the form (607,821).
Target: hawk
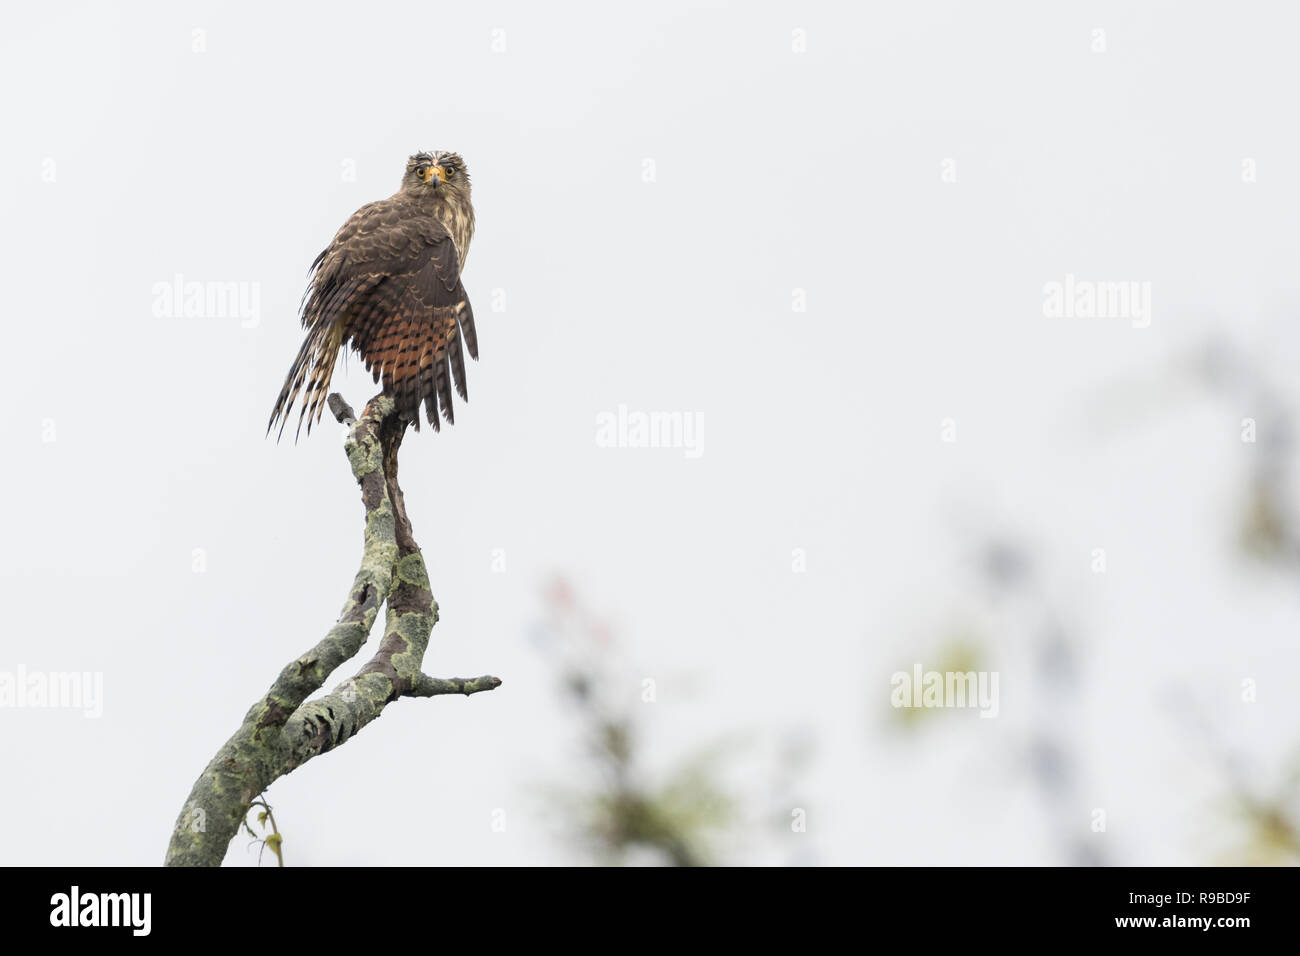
(389,286)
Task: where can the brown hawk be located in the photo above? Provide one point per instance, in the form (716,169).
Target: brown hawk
(389,285)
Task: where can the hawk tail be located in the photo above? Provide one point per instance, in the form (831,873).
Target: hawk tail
(420,363)
(312,370)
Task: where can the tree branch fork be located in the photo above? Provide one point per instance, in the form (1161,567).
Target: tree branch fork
(284,730)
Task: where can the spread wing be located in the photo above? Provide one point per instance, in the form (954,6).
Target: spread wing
(389,284)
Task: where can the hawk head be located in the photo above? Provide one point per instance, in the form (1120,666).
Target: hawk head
(438,173)
(439,182)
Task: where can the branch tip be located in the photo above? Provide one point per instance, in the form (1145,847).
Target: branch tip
(341,409)
(426,686)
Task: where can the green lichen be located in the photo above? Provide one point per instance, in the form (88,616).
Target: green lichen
(281,730)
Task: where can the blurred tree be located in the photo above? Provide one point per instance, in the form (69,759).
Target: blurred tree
(624,817)
(1006,573)
(1268,535)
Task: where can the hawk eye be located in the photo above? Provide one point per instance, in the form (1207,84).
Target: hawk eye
(449,170)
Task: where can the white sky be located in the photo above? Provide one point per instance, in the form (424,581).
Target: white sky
(775,170)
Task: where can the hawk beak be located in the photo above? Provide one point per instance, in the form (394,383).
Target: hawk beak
(437,173)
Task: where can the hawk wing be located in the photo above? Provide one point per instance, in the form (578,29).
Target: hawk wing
(389,284)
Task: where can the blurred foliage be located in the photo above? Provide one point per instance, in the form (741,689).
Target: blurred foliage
(624,816)
(959,653)
(1271,838)
(1265,532)
(1267,529)
(1268,535)
(1007,577)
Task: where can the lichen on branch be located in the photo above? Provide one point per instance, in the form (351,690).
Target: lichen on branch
(284,730)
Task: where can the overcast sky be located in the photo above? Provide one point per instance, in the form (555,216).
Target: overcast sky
(823,236)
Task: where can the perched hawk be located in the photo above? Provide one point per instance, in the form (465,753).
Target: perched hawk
(389,285)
